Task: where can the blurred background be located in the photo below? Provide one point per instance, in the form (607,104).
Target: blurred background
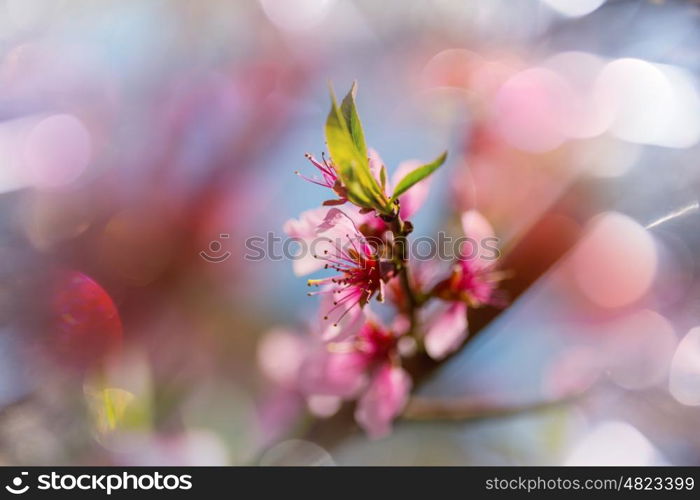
(136,135)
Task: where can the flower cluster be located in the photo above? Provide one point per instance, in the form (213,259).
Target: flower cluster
(363,229)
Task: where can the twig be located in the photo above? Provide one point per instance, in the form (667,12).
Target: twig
(13,405)
(470,409)
(401,231)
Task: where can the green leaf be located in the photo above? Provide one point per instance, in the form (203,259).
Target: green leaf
(417,175)
(382,177)
(352,119)
(109,407)
(346,145)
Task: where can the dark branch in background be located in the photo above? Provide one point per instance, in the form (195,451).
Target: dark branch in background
(8,408)
(544,244)
(471,409)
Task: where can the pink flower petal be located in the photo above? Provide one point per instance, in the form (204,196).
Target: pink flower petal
(477,228)
(305,229)
(336,219)
(383,401)
(447,331)
(306,264)
(337,233)
(338,322)
(375,163)
(330,373)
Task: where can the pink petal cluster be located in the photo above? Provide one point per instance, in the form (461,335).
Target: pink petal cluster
(359,269)
(364,366)
(369,223)
(352,355)
(472,282)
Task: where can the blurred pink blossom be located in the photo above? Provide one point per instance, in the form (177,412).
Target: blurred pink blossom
(365,367)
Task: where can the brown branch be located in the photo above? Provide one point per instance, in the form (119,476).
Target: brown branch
(15,405)
(401,230)
(471,409)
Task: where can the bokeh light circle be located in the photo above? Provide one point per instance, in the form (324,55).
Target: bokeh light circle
(56,151)
(574,8)
(684,379)
(530,110)
(280,354)
(296,16)
(639,348)
(615,263)
(296,452)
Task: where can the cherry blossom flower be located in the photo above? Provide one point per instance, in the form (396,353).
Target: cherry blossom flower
(315,239)
(472,282)
(383,401)
(364,366)
(327,236)
(353,356)
(361,273)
